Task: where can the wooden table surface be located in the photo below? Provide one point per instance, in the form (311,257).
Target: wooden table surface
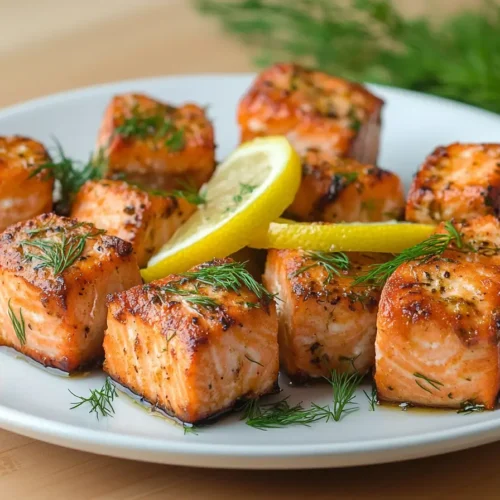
(52,45)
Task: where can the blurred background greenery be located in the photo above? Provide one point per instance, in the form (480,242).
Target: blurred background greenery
(455,56)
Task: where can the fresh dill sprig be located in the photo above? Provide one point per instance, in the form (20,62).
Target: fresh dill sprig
(372,398)
(190,193)
(433,383)
(370,40)
(344,387)
(143,125)
(433,246)
(281,414)
(191,296)
(228,276)
(468,407)
(17,324)
(70,175)
(100,400)
(57,253)
(332,262)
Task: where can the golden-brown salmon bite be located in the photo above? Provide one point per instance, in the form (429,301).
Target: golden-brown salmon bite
(313,110)
(325,322)
(337,189)
(459,181)
(147,219)
(156,145)
(55,274)
(438,325)
(194,344)
(24,192)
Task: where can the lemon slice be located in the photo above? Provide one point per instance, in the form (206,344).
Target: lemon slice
(249,190)
(389,237)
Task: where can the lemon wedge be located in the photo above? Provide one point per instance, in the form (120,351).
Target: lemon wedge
(387,237)
(247,191)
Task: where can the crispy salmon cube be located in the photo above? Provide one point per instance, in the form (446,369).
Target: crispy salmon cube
(22,194)
(325,322)
(55,274)
(459,181)
(191,349)
(344,190)
(313,110)
(145,219)
(155,144)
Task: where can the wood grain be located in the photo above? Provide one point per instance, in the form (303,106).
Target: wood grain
(52,45)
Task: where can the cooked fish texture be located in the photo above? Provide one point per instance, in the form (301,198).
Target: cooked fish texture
(23,196)
(325,322)
(145,219)
(158,145)
(460,181)
(438,324)
(55,274)
(343,190)
(190,358)
(313,110)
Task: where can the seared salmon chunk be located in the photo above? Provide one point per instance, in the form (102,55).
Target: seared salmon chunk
(313,110)
(460,181)
(24,193)
(191,348)
(325,322)
(155,144)
(344,190)
(145,219)
(438,324)
(55,274)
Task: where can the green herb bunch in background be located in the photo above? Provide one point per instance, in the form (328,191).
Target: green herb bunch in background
(369,40)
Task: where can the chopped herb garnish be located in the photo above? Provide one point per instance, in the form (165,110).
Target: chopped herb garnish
(191,296)
(17,324)
(468,407)
(368,205)
(70,175)
(100,400)
(347,177)
(57,253)
(190,193)
(433,246)
(372,398)
(253,360)
(190,429)
(433,383)
(332,262)
(238,198)
(143,125)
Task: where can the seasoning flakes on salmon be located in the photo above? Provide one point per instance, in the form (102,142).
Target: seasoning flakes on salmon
(55,274)
(344,190)
(157,145)
(22,194)
(438,325)
(314,111)
(460,181)
(325,322)
(191,348)
(145,219)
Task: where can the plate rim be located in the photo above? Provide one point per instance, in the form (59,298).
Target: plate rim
(78,437)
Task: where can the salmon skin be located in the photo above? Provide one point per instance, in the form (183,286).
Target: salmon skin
(156,145)
(459,181)
(343,190)
(22,194)
(53,309)
(190,349)
(438,323)
(145,219)
(313,110)
(325,322)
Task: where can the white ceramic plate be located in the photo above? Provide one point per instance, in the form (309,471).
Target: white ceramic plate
(36,403)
